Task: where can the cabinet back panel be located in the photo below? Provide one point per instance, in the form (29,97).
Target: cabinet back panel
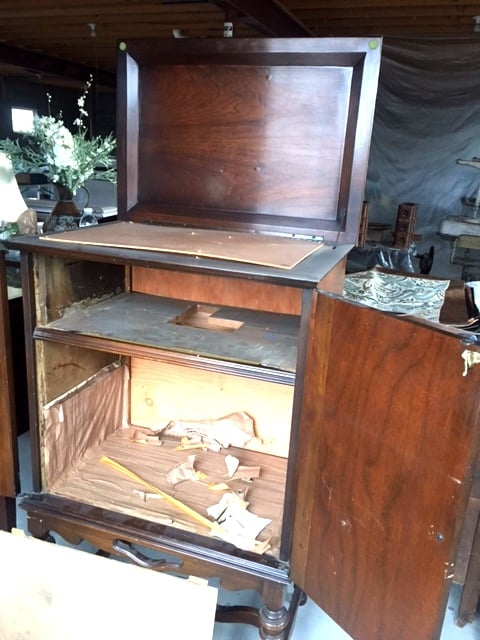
(217,290)
(161,392)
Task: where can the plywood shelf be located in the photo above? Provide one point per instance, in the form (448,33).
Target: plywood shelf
(131,321)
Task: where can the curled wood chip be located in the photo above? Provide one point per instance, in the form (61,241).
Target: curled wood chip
(141,437)
(246,473)
(221,486)
(182,471)
(145,495)
(189,445)
(231,462)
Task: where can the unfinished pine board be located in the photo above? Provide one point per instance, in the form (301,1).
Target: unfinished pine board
(50,595)
(266,250)
(161,392)
(94,483)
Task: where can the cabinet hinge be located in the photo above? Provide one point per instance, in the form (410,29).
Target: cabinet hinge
(292,234)
(470,358)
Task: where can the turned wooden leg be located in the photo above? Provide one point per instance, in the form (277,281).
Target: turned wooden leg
(8,513)
(273,623)
(273,616)
(273,619)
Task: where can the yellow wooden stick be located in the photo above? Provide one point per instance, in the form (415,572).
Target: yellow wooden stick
(170,499)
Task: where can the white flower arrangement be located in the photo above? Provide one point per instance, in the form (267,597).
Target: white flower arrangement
(67,159)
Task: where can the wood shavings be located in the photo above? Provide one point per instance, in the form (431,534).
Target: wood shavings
(239,526)
(231,462)
(187,444)
(247,474)
(178,504)
(262,547)
(141,437)
(145,495)
(220,486)
(184,470)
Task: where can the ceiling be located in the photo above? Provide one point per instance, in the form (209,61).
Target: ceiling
(65,41)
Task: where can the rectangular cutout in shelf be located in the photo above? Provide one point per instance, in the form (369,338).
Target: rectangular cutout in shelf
(262,339)
(203,317)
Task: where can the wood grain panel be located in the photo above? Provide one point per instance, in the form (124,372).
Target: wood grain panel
(388,445)
(8,430)
(252,150)
(218,290)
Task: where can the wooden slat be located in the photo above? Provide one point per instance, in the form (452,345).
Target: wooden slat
(62,30)
(8,447)
(302,7)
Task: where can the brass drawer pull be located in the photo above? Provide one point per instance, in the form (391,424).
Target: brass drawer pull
(126,549)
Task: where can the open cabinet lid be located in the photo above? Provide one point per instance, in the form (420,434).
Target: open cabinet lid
(265,135)
(388,443)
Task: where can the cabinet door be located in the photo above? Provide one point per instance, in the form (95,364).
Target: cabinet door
(388,439)
(8,463)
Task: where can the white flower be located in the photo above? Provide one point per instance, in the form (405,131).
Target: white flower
(66,158)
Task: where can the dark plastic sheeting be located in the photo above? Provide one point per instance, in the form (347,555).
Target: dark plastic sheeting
(427,116)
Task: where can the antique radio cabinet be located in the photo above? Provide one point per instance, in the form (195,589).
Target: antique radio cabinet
(198,353)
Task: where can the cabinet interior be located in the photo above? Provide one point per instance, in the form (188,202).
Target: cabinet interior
(122,364)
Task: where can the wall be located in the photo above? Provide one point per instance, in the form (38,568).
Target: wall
(427,115)
(18,93)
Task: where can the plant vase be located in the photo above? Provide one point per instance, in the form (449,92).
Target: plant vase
(65,215)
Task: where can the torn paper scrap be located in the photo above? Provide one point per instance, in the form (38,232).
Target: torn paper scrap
(141,437)
(232,515)
(246,473)
(236,429)
(182,471)
(219,486)
(231,462)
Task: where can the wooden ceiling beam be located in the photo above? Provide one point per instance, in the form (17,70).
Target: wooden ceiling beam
(400,13)
(45,64)
(299,7)
(89,14)
(270,18)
